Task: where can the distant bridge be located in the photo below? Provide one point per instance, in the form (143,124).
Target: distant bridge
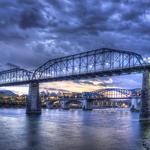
(109,97)
(106,93)
(90,64)
(117,93)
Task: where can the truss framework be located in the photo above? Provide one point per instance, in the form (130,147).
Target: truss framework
(99,62)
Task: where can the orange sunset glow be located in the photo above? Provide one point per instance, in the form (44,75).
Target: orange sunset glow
(71,86)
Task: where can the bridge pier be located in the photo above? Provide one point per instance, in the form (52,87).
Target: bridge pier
(135,104)
(64,105)
(49,105)
(86,105)
(33,105)
(145,98)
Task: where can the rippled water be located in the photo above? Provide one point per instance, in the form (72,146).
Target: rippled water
(72,130)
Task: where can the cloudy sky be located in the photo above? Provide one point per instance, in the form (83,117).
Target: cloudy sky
(34,31)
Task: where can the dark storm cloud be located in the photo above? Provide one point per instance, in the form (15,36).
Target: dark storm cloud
(33,31)
(31,18)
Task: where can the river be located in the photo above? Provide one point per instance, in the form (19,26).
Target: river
(106,129)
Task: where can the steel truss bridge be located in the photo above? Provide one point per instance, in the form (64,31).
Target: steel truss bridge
(106,94)
(95,63)
(108,97)
(116,93)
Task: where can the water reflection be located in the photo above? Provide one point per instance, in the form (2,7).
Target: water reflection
(145,134)
(73,129)
(33,129)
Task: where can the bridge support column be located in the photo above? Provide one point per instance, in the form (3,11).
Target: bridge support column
(145,99)
(49,105)
(87,105)
(33,101)
(135,104)
(64,105)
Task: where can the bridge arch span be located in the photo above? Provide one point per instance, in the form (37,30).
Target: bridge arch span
(90,63)
(74,101)
(114,93)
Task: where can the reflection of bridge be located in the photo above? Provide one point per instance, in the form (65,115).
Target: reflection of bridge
(100,62)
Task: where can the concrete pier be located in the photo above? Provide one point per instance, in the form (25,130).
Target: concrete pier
(135,104)
(33,101)
(49,105)
(87,105)
(64,104)
(145,99)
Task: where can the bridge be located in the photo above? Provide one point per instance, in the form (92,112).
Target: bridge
(117,93)
(90,64)
(104,97)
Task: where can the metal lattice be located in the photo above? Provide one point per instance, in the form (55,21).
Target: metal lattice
(14,76)
(97,62)
(93,63)
(115,93)
(107,93)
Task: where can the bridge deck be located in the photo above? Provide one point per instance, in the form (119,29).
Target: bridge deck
(91,64)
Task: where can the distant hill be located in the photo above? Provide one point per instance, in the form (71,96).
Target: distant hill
(7,93)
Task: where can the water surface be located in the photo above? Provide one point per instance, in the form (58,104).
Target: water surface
(72,130)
